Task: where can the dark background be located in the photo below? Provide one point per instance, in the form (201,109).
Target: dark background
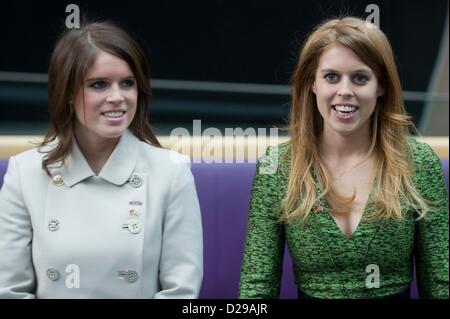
(221,41)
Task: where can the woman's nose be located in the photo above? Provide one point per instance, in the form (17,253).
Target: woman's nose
(345,88)
(115,96)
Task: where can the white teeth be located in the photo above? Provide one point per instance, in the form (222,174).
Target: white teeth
(113,114)
(345,108)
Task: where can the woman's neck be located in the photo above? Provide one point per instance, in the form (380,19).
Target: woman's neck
(346,156)
(344,147)
(95,149)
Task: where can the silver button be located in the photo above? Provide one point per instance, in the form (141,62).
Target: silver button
(58,180)
(136,181)
(133,226)
(53,224)
(52,274)
(130,276)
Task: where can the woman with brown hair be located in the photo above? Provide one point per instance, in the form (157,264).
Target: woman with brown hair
(99,210)
(353,193)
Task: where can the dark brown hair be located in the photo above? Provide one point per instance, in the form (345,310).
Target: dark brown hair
(74,54)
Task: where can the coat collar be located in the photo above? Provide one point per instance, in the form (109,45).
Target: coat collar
(117,169)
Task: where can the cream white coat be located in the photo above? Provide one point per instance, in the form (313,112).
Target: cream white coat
(73,240)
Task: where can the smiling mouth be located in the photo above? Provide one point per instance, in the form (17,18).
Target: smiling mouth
(115,114)
(344,109)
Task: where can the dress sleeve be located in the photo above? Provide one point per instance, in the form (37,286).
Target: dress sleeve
(264,245)
(431,240)
(17,277)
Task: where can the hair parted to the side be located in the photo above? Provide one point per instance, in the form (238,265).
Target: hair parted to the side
(74,54)
(390,127)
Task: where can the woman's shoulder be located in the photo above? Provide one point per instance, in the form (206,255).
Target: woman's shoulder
(422,152)
(427,165)
(31,157)
(275,157)
(163,157)
(28,165)
(276,152)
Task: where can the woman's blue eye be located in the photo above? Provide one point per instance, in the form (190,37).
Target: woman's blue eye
(128,83)
(98,85)
(332,77)
(361,78)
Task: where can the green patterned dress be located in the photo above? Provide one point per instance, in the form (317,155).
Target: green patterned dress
(328,265)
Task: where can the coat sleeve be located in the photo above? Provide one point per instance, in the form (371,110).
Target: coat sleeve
(264,245)
(17,276)
(431,251)
(181,265)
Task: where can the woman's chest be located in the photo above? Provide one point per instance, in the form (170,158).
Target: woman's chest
(319,243)
(96,221)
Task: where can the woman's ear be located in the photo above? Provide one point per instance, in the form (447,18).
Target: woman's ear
(380,91)
(313,87)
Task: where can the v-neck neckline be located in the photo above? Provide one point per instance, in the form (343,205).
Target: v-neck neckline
(325,210)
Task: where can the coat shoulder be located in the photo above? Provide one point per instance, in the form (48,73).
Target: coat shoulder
(30,160)
(163,157)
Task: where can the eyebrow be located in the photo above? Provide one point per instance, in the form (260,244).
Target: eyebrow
(355,71)
(105,79)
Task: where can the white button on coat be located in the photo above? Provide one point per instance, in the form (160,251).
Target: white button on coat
(133,226)
(57,180)
(130,276)
(136,181)
(53,274)
(53,224)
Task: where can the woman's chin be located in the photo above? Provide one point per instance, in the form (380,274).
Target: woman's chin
(111,132)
